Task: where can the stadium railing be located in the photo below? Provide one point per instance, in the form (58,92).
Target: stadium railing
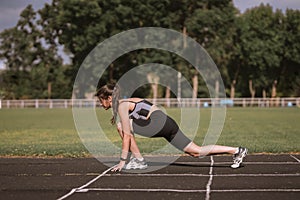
(172,102)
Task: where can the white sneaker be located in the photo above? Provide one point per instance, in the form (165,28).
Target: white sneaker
(134,163)
(238,157)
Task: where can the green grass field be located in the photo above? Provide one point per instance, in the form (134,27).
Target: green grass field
(51,132)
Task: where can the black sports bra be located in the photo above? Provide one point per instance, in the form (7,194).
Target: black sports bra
(141,109)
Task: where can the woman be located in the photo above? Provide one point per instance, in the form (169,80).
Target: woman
(149,121)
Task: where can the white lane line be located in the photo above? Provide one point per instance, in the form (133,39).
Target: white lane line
(166,175)
(208,190)
(200,175)
(295,158)
(259,190)
(246,163)
(68,194)
(207,197)
(139,190)
(184,191)
(95,179)
(85,185)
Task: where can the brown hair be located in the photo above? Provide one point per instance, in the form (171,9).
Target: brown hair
(112,90)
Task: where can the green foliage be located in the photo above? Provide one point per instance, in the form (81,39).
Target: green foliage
(261,45)
(290,73)
(32,63)
(261,40)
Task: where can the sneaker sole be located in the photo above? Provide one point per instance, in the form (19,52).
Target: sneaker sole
(136,168)
(234,166)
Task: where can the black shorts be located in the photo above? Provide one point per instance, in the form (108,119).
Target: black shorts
(161,125)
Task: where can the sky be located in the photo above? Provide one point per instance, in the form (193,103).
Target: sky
(243,5)
(11,9)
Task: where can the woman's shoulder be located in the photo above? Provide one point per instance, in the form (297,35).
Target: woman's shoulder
(131,100)
(128,104)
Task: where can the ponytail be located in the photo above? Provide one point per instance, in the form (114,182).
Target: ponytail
(115,103)
(112,90)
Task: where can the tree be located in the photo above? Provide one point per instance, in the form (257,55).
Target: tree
(80,26)
(289,81)
(261,47)
(31,64)
(212,25)
(20,48)
(256,51)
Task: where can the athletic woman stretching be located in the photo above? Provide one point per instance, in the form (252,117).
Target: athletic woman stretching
(149,121)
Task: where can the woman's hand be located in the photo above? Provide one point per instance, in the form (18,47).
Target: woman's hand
(119,167)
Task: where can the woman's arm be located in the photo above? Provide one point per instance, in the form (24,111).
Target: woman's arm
(126,132)
(120,130)
(133,145)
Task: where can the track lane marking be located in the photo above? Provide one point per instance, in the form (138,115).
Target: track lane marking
(295,158)
(85,185)
(154,175)
(246,163)
(200,175)
(140,190)
(157,175)
(183,191)
(208,190)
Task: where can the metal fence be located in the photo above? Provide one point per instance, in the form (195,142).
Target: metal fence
(173,102)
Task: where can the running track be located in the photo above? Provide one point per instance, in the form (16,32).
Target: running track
(210,178)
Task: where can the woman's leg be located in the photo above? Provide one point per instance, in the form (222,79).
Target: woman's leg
(197,151)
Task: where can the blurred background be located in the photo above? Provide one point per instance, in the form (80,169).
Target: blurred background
(255,44)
